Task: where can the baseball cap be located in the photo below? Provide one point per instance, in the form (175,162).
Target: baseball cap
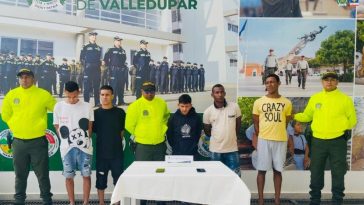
(330,75)
(143,42)
(25,71)
(117,38)
(148,86)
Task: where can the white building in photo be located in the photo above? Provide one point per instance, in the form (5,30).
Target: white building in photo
(206,36)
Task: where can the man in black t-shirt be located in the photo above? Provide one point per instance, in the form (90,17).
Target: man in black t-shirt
(109,128)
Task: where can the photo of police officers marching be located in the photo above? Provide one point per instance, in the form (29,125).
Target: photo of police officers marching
(94,70)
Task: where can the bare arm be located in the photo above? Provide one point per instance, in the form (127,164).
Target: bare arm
(307,161)
(56,127)
(90,128)
(238,125)
(207,129)
(256,129)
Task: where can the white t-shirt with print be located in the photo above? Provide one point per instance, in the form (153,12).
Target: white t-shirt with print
(73,121)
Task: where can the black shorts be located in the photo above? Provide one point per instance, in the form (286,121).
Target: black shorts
(103,166)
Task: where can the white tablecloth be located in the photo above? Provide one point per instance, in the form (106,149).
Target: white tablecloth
(181,182)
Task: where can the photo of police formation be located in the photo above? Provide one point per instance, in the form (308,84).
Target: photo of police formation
(91,72)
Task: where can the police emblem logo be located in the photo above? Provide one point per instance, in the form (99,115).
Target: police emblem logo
(203,146)
(46,4)
(354,2)
(6,139)
(318,105)
(185,130)
(342,2)
(16,101)
(145,113)
(53,142)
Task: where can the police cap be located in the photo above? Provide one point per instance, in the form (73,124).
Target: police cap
(92,33)
(64,59)
(148,86)
(330,75)
(143,42)
(25,71)
(117,38)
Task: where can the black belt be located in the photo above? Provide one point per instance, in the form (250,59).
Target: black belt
(299,151)
(28,140)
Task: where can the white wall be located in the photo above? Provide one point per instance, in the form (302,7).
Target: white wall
(205,35)
(63,43)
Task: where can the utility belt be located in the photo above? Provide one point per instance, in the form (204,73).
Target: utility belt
(29,140)
(299,151)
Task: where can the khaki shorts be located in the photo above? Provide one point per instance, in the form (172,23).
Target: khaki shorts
(271,153)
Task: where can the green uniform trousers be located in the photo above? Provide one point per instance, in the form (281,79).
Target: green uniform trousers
(34,153)
(334,150)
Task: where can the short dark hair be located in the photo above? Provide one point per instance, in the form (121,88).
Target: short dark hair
(217,86)
(71,86)
(107,87)
(274,76)
(185,99)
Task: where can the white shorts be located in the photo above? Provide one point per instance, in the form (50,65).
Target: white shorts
(271,153)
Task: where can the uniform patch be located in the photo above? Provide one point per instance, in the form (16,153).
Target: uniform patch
(16,101)
(318,105)
(145,113)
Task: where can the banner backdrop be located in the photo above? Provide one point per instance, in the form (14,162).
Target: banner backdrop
(55,163)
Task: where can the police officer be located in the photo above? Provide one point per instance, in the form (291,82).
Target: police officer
(270,63)
(90,59)
(194,78)
(73,70)
(20,61)
(201,78)
(64,75)
(44,71)
(28,62)
(157,76)
(181,76)
(79,75)
(126,76)
(36,64)
(152,69)
(10,68)
(188,77)
(164,68)
(302,66)
(104,73)
(174,81)
(141,62)
(53,76)
(132,73)
(115,61)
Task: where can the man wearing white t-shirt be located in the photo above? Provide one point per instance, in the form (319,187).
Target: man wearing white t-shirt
(222,122)
(73,119)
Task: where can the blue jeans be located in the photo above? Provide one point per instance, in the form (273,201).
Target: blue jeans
(299,159)
(76,159)
(230,159)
